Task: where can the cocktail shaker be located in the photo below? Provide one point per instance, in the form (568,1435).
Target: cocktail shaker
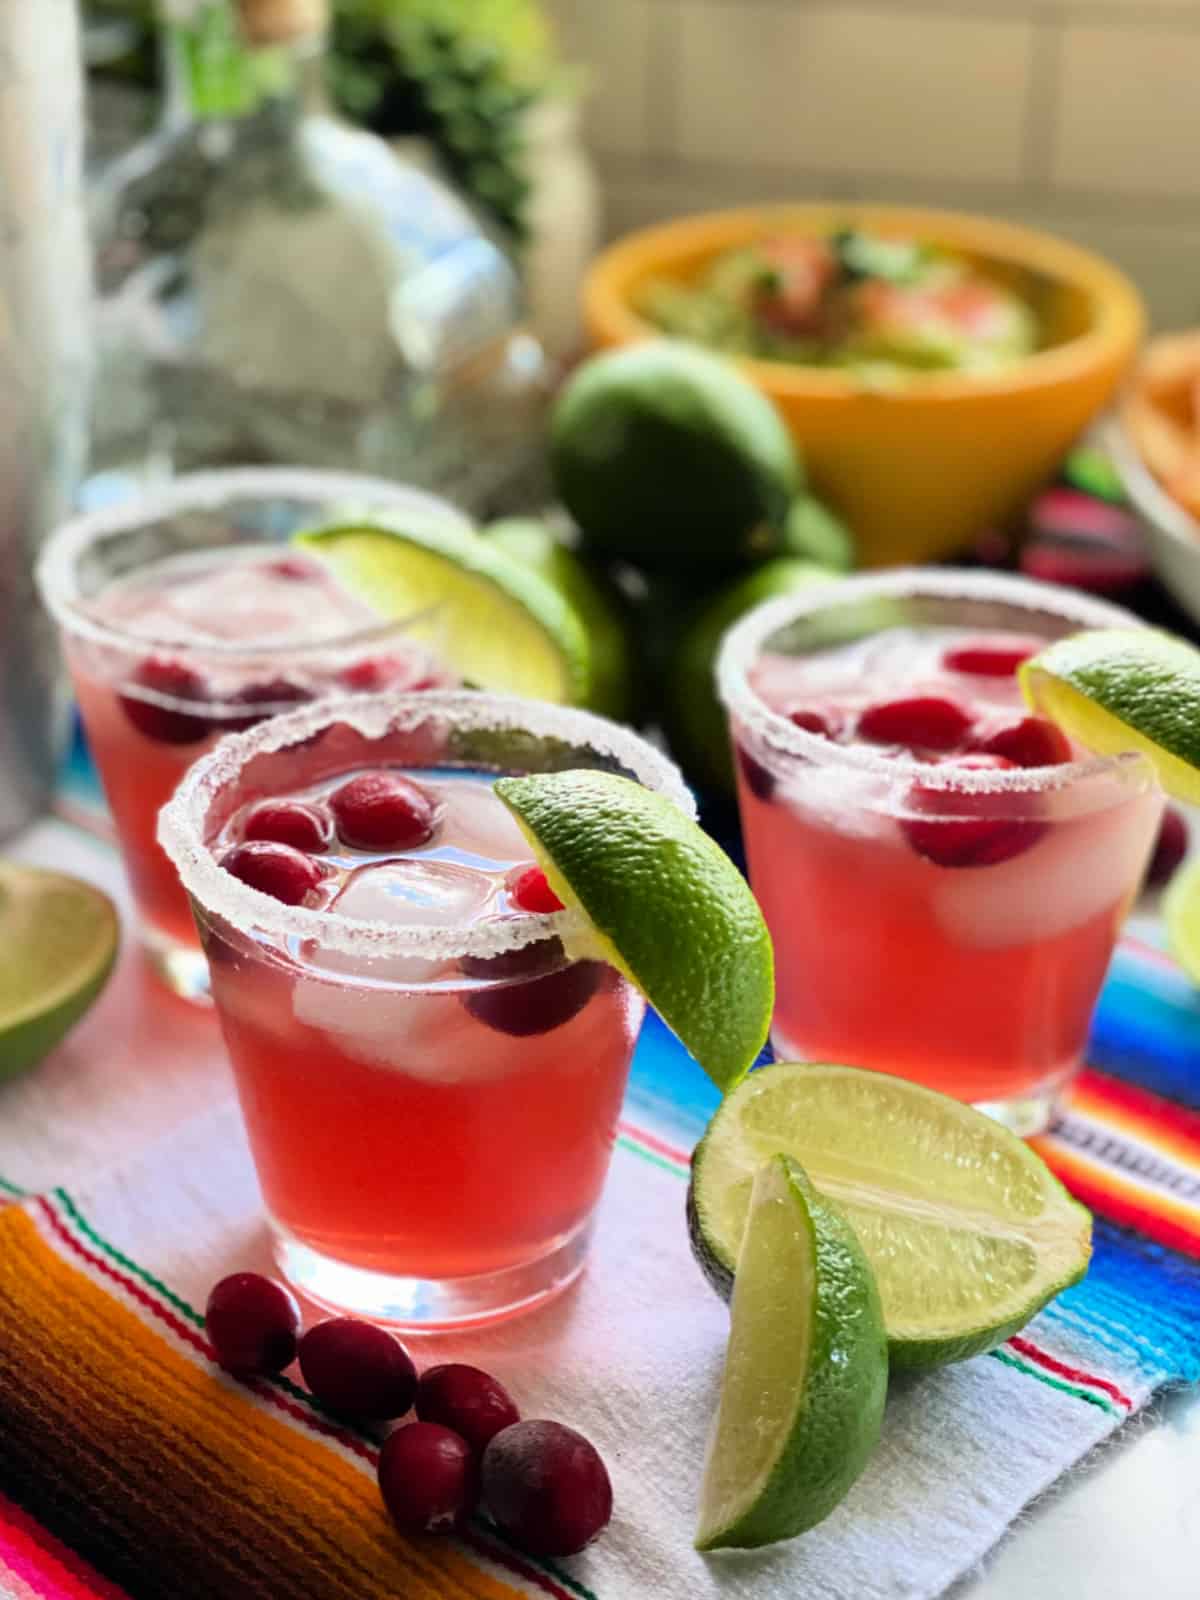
(44,369)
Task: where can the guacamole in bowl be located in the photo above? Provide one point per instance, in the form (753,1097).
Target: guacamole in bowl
(885,307)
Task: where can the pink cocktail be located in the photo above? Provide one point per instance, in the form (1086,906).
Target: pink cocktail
(944,875)
(430,1066)
(186,616)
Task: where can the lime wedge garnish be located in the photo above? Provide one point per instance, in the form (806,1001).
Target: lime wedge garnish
(1181,913)
(805,1374)
(498,624)
(595,600)
(967,1230)
(59,938)
(1119,689)
(665,905)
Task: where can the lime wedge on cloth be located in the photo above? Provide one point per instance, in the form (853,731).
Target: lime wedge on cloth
(666,907)
(967,1230)
(499,624)
(1181,913)
(806,1371)
(59,938)
(1118,689)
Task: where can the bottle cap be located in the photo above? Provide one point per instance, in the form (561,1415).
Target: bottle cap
(279,21)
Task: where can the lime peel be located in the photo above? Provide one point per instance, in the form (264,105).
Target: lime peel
(806,1373)
(502,625)
(1118,690)
(60,936)
(667,907)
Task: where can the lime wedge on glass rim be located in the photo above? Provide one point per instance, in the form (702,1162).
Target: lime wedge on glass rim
(968,1232)
(805,1374)
(496,622)
(1120,689)
(664,905)
(59,938)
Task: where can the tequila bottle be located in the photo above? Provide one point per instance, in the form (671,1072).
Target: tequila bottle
(276,286)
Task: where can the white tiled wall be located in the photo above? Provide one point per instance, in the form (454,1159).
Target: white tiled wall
(1077,115)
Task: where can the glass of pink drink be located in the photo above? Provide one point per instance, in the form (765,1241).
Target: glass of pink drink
(184,615)
(944,875)
(430,1063)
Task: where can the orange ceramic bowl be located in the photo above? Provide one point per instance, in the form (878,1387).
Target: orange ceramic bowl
(921,470)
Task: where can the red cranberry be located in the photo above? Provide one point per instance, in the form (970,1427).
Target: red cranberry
(814,721)
(252,1323)
(1169,848)
(429,1478)
(276,869)
(173,681)
(382,811)
(375,672)
(531,892)
(546,1486)
(532,990)
(291,567)
(270,697)
(1031,742)
(292,822)
(949,839)
(919,721)
(466,1399)
(358,1369)
(984,660)
(757,779)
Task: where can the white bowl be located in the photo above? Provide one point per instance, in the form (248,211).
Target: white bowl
(1172,534)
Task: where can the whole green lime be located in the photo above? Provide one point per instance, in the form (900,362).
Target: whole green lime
(597,603)
(667,457)
(693,717)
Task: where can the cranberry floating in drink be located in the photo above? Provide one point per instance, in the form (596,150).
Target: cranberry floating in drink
(430,1070)
(943,873)
(185,617)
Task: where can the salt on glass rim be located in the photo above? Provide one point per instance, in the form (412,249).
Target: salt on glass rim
(744,642)
(344,495)
(181,822)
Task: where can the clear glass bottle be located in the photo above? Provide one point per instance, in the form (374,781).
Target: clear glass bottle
(276,286)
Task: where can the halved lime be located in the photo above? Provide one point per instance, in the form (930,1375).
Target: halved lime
(1181,913)
(59,938)
(499,624)
(1118,689)
(966,1228)
(665,906)
(805,1374)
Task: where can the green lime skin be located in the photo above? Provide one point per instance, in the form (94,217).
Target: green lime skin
(665,904)
(838,1396)
(598,603)
(667,457)
(693,718)
(813,533)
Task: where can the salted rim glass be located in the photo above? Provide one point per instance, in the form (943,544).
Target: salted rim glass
(185,823)
(263,504)
(398,1278)
(828,614)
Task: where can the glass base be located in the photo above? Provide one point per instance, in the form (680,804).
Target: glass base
(1026,1114)
(180,966)
(430,1305)
(1029,1114)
